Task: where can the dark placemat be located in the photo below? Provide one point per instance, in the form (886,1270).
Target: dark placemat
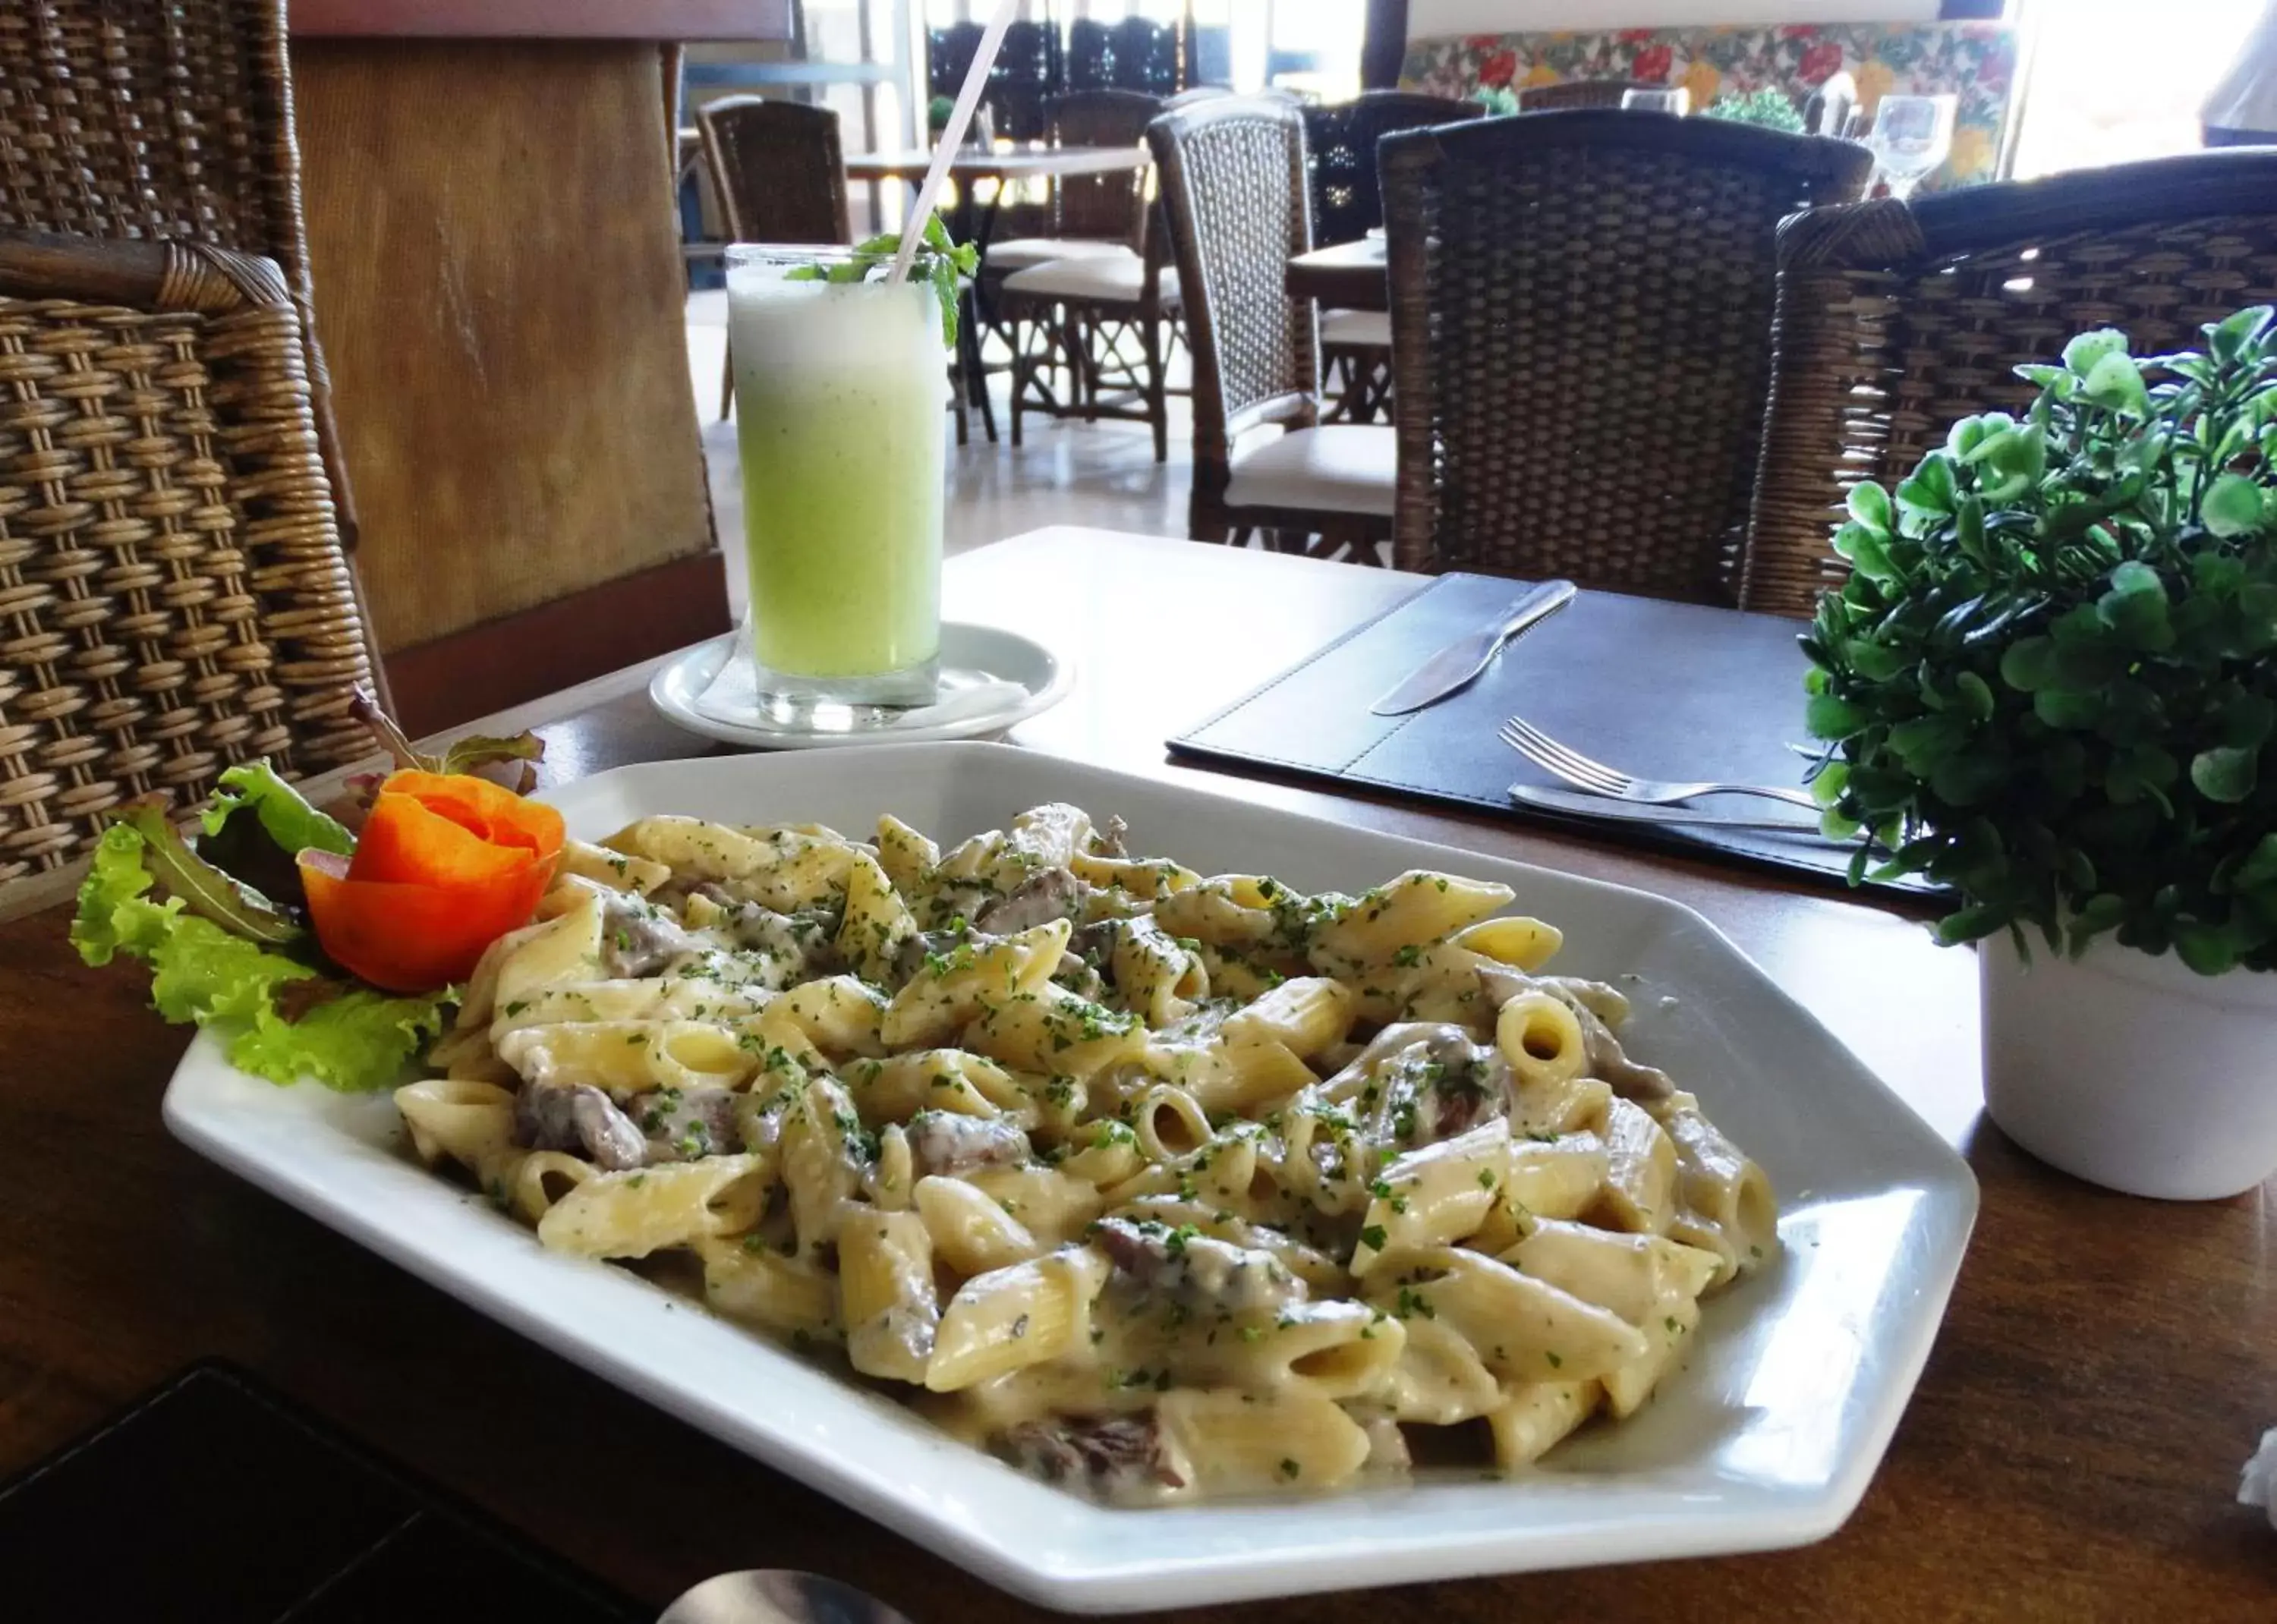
(215,1499)
(1659,689)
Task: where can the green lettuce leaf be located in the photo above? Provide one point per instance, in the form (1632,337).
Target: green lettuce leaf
(201,973)
(284,815)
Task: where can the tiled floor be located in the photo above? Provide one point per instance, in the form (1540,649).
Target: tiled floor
(1090,474)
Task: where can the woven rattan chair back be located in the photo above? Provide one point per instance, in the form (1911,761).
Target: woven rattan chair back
(176,596)
(1581,310)
(1894,321)
(1574,92)
(1340,139)
(157,118)
(781,170)
(1233,176)
(1100,206)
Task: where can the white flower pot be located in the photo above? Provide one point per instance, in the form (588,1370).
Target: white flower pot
(2133,1071)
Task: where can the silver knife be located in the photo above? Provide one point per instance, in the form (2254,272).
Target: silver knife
(1460,663)
(1580,803)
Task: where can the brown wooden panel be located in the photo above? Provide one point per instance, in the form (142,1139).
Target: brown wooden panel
(499,289)
(551,19)
(441,684)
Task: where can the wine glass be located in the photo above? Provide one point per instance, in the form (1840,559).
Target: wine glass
(1677,101)
(1912,135)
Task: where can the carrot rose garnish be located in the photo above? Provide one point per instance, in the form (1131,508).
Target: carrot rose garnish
(444,865)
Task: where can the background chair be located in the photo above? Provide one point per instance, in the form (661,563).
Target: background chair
(1235,198)
(1572,93)
(1340,139)
(178,597)
(1581,308)
(1101,309)
(1895,320)
(781,175)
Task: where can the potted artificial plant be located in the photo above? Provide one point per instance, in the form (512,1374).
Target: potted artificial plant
(2051,684)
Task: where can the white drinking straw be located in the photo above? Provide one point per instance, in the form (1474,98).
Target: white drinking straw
(952,137)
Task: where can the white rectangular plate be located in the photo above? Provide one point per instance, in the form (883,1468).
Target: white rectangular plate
(1766,1439)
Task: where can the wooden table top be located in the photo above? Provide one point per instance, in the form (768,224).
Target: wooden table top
(1021,163)
(1349,276)
(2104,1368)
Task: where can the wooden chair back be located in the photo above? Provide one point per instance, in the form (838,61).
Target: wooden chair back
(1231,170)
(1895,320)
(1107,207)
(1581,310)
(178,593)
(1340,139)
(1572,93)
(780,168)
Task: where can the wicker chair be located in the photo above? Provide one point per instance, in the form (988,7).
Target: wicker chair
(1582,309)
(179,598)
(1574,92)
(781,176)
(157,119)
(1893,321)
(1340,141)
(1088,215)
(1234,193)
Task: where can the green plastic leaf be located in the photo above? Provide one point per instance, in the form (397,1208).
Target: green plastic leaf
(2090,350)
(2206,950)
(1975,695)
(2225,773)
(1831,716)
(2028,664)
(1869,505)
(2061,709)
(2234,506)
(1929,491)
(2259,867)
(2135,606)
(2116,381)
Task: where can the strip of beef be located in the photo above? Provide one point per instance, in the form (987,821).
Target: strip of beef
(640,939)
(1111,1457)
(683,1125)
(948,1141)
(910,957)
(577,1116)
(1036,901)
(1203,1274)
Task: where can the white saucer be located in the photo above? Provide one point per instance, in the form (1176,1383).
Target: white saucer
(990,679)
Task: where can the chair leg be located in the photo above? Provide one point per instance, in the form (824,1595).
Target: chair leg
(1158,399)
(726,384)
(1023,367)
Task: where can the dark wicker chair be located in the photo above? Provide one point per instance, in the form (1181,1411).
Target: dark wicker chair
(1234,193)
(180,599)
(1089,302)
(1340,139)
(1028,73)
(1576,92)
(781,176)
(1580,308)
(1893,321)
(153,118)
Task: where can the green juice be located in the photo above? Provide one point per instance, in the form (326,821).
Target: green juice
(839,397)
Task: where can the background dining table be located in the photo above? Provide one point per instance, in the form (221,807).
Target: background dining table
(1345,276)
(2106,1366)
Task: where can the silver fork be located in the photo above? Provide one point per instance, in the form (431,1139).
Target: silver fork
(1583,773)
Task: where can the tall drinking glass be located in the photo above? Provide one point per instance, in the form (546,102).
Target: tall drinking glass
(840,388)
